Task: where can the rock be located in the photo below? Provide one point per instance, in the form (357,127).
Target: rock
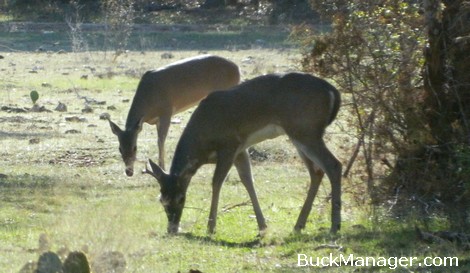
(175,121)
(87,109)
(14,109)
(72,131)
(167,55)
(248,60)
(105,116)
(34,141)
(39,109)
(49,262)
(76,262)
(75,119)
(61,107)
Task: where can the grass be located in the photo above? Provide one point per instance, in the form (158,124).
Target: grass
(70,188)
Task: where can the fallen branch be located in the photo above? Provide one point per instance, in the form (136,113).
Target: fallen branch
(246,203)
(329,246)
(461,239)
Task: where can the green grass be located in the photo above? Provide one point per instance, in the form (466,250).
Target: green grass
(70,188)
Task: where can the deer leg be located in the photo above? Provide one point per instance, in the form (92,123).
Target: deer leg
(316,176)
(223,165)
(243,165)
(317,152)
(163,126)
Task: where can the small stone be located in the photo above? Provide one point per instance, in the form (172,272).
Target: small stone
(87,109)
(61,107)
(105,116)
(167,55)
(34,141)
(73,131)
(75,119)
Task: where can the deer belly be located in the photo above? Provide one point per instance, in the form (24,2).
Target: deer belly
(268,132)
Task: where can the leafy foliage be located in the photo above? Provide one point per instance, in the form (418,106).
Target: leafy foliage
(406,117)
(373,53)
(119,18)
(34,95)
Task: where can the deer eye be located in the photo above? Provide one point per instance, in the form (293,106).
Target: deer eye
(163,201)
(180,200)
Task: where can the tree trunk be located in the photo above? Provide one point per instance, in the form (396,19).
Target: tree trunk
(447,87)
(209,4)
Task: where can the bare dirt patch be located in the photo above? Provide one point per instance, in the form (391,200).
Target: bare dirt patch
(79,158)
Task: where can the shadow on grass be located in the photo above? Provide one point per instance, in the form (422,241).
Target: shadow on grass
(25,188)
(27,181)
(210,240)
(25,134)
(390,242)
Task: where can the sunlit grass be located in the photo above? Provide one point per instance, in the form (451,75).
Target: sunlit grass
(71,188)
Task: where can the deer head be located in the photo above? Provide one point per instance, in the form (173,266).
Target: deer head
(127,143)
(172,195)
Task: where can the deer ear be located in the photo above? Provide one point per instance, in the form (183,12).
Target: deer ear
(116,130)
(156,172)
(138,125)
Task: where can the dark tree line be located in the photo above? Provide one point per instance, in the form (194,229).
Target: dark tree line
(278,10)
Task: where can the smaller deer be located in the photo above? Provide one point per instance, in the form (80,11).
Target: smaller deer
(169,90)
(226,123)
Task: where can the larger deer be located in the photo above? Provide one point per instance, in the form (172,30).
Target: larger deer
(226,123)
(169,90)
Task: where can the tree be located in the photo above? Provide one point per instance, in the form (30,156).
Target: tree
(290,9)
(447,86)
(412,133)
(218,3)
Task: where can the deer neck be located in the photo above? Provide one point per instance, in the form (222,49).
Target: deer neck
(140,109)
(186,160)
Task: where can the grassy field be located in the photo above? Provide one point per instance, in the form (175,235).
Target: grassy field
(63,188)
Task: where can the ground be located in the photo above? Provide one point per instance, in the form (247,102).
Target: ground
(62,182)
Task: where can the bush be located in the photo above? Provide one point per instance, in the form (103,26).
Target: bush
(53,10)
(410,127)
(374,54)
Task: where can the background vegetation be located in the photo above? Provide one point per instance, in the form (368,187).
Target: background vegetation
(402,133)
(408,86)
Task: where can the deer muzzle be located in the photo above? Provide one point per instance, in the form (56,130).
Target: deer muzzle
(173,228)
(129,172)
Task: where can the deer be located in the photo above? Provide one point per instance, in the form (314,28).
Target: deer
(227,123)
(167,91)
